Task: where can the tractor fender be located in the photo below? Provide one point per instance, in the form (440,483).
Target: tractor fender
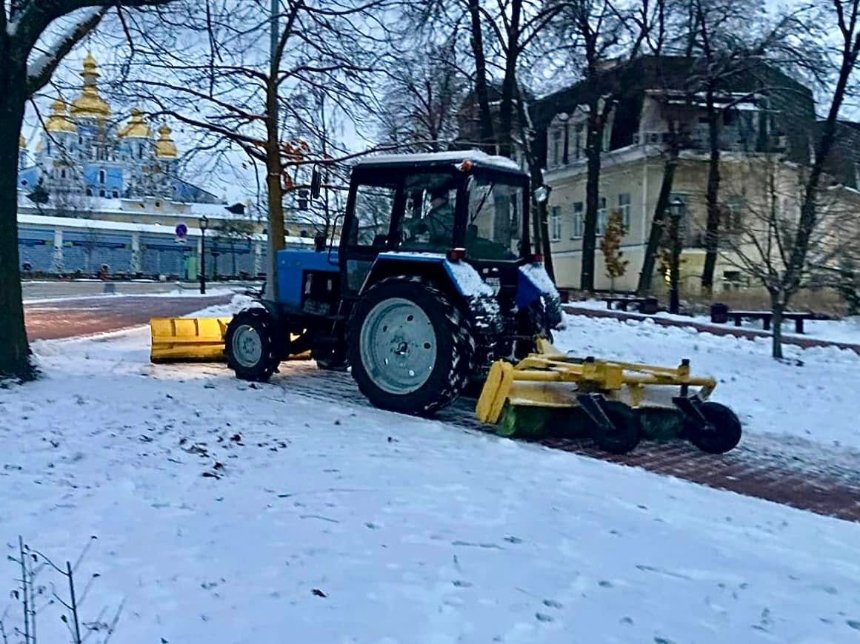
(459,276)
(533,283)
(456,278)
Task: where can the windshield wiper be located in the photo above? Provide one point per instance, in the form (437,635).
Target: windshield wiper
(481,205)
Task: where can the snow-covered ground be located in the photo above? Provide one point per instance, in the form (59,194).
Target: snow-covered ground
(228,513)
(846,330)
(812,395)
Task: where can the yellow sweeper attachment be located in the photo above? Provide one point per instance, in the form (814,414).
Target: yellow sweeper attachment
(614,402)
(194,340)
(188,339)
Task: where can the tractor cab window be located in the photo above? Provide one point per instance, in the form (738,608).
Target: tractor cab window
(428,218)
(495,211)
(373,208)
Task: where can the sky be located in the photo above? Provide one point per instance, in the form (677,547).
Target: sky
(234,178)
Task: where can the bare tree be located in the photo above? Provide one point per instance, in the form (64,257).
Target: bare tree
(421,100)
(603,34)
(761,243)
(31,50)
(209,73)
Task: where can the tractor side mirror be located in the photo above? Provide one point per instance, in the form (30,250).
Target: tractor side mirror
(316,183)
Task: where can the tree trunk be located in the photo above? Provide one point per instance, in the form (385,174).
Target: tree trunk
(274,176)
(506,109)
(712,199)
(808,209)
(481,84)
(593,145)
(14,348)
(778,303)
(658,223)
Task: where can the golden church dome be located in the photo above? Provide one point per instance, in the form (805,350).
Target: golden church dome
(22,142)
(58,121)
(136,128)
(165,148)
(90,104)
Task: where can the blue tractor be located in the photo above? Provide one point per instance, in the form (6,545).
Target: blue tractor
(434,278)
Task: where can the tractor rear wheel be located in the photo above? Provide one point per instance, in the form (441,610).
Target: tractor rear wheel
(251,346)
(410,346)
(723,434)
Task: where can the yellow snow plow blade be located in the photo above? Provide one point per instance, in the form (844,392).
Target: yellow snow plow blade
(551,379)
(188,339)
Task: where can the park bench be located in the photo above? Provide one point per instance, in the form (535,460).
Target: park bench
(648,305)
(721,314)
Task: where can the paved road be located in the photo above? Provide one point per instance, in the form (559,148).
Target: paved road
(54,289)
(84,316)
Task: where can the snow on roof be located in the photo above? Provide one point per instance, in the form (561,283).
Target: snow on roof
(144,206)
(127,227)
(429,157)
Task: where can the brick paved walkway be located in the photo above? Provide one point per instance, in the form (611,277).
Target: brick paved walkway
(791,472)
(86,316)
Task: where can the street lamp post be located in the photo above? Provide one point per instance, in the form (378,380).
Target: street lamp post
(676,210)
(204,224)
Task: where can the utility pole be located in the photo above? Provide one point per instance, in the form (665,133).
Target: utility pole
(271,265)
(676,210)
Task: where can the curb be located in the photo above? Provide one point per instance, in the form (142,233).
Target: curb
(714,329)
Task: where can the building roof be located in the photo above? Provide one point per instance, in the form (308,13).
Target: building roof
(165,148)
(122,226)
(136,128)
(90,103)
(58,121)
(629,81)
(440,158)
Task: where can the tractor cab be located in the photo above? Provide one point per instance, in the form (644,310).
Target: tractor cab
(465,206)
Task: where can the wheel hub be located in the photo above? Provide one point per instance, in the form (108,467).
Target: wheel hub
(398,346)
(247,346)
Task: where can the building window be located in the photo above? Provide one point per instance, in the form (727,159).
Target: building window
(578,142)
(89,192)
(624,209)
(62,174)
(733,214)
(101,193)
(556,147)
(555,223)
(101,176)
(115,194)
(578,211)
(601,215)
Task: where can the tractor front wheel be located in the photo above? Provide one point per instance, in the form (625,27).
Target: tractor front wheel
(250,345)
(410,346)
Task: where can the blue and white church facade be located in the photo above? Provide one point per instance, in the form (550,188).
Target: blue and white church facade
(96,192)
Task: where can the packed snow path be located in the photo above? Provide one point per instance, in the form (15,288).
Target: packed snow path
(230,513)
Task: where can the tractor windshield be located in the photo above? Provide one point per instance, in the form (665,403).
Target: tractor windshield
(495,217)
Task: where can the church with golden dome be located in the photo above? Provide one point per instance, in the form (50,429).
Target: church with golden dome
(84,150)
(102,192)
